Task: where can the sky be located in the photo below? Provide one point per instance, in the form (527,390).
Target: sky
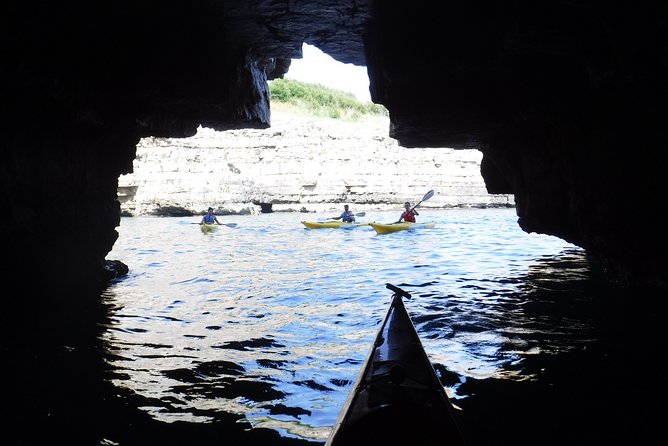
(317,67)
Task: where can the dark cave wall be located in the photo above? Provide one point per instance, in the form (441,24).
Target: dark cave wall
(566,101)
(81,84)
(59,194)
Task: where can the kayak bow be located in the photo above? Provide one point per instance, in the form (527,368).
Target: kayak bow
(397,398)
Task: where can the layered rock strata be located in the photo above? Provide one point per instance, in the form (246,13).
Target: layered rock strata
(301,163)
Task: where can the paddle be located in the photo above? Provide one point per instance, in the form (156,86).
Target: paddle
(426,197)
(229,225)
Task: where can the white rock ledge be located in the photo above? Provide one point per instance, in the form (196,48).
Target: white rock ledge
(300,164)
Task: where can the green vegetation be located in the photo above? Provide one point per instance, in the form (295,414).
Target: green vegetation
(319,100)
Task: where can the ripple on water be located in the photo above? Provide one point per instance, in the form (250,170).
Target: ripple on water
(276,319)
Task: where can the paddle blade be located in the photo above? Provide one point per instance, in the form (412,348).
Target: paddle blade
(428,195)
(360,214)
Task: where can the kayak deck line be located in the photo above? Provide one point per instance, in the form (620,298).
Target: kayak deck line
(205,227)
(208,227)
(387,228)
(397,397)
(332,224)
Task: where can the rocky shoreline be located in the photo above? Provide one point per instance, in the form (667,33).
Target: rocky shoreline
(301,164)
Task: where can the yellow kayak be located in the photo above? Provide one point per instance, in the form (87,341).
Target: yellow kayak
(332,224)
(387,228)
(208,228)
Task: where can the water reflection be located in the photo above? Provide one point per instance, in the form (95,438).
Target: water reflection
(267,326)
(202,345)
(271,322)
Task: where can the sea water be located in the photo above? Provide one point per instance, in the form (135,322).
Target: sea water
(269,322)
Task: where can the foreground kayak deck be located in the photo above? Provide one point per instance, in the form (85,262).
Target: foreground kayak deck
(387,228)
(397,398)
(332,224)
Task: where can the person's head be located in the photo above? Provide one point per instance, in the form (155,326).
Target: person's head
(345,206)
(407,205)
(210,210)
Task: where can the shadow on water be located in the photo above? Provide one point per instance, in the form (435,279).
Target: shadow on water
(589,355)
(587,368)
(58,384)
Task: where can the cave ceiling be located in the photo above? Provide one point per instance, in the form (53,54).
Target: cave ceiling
(566,101)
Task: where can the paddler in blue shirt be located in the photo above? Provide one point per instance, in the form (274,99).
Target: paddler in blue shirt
(209,218)
(347,215)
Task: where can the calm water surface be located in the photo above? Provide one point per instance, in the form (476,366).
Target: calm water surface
(269,323)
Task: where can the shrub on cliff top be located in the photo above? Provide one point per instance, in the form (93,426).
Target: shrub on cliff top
(322,101)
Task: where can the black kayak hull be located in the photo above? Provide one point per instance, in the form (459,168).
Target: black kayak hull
(397,397)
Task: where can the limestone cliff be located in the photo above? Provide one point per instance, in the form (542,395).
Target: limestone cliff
(302,163)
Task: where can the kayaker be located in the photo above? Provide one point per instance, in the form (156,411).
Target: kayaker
(347,215)
(409,214)
(209,218)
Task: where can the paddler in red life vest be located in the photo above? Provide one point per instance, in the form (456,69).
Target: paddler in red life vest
(409,214)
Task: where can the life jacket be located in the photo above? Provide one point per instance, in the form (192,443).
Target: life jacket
(408,216)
